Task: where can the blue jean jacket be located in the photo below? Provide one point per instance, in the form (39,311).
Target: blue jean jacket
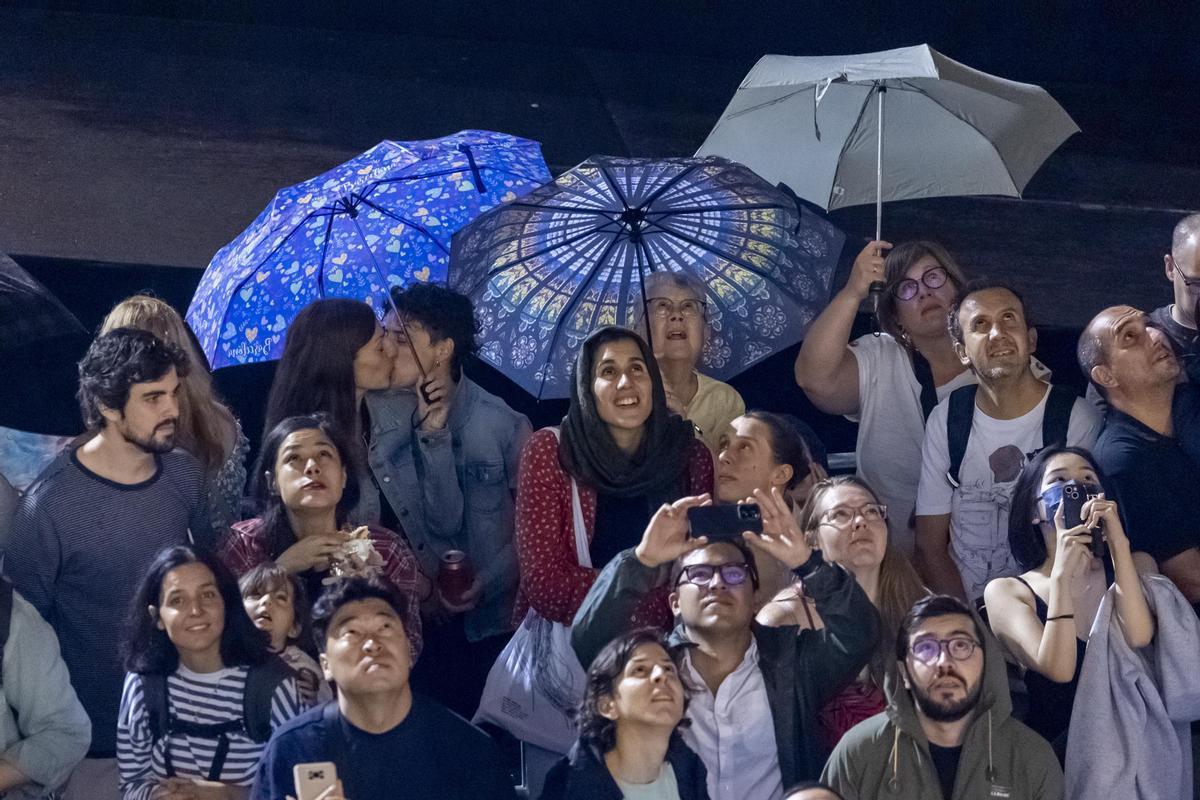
(452,489)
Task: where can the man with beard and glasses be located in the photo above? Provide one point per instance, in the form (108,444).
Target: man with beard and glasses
(947,733)
(96,517)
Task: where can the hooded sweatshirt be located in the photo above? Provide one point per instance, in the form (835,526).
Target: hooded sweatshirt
(887,755)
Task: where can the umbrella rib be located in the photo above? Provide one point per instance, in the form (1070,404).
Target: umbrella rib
(324,252)
(732,258)
(772,102)
(408,222)
(846,142)
(451,171)
(545,208)
(703,209)
(612,184)
(660,191)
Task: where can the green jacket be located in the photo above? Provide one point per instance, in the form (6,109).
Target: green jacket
(801,670)
(887,755)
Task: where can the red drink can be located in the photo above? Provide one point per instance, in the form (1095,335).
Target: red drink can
(455,576)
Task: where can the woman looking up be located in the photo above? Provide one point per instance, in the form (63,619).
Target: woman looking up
(626,453)
(207,428)
(888,383)
(629,745)
(1044,615)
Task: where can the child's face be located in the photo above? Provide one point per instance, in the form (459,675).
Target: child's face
(273,612)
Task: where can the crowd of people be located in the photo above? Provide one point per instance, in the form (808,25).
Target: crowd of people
(675,579)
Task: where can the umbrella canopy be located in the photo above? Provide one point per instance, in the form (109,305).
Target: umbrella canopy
(548,269)
(382,219)
(900,124)
(28,312)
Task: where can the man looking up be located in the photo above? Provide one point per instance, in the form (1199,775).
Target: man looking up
(758,690)
(978,438)
(948,733)
(92,522)
(386,741)
(1153,479)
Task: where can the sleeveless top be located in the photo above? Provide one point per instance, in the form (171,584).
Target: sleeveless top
(1050,702)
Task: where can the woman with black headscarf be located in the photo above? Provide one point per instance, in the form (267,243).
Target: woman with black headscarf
(626,453)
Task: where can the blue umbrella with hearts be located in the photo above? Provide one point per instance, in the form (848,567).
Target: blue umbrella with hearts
(382,219)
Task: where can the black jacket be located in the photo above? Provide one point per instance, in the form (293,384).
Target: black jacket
(801,672)
(582,775)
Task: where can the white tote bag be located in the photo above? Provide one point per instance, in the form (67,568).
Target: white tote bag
(538,678)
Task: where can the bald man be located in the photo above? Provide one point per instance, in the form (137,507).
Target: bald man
(1182,266)
(1150,474)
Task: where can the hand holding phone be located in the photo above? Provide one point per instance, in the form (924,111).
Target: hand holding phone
(725,521)
(1074,496)
(317,781)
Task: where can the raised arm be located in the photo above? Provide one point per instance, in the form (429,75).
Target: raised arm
(825,368)
(1133,613)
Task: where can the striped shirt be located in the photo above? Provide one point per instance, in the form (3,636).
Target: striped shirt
(79,545)
(205,699)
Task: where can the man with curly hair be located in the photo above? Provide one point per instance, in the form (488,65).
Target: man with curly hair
(96,517)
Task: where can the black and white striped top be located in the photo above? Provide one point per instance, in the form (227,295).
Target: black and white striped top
(193,697)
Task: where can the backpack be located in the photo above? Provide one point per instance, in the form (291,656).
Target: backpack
(1055,422)
(261,682)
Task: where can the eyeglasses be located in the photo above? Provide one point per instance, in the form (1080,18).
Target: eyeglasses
(934,278)
(928,651)
(664,307)
(702,574)
(1191,283)
(843,516)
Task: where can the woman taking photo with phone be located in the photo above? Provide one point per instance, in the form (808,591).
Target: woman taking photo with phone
(629,746)
(1043,616)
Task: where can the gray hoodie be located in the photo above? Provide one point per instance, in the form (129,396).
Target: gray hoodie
(887,755)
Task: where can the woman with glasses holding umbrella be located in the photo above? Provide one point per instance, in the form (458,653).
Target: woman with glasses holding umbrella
(888,383)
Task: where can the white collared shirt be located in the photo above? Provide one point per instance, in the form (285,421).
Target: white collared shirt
(734,734)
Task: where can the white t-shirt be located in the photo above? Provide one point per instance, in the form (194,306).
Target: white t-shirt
(996,452)
(664,787)
(891,427)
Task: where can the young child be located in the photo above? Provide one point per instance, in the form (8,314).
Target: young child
(276,603)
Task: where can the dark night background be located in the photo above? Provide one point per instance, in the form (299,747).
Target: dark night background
(135,139)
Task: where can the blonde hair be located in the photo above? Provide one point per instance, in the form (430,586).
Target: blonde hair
(899,584)
(203,418)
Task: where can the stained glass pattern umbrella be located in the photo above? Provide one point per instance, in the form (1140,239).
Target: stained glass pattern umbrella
(569,257)
(382,219)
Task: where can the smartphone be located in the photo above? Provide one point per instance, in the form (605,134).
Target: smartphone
(313,779)
(1073,498)
(725,521)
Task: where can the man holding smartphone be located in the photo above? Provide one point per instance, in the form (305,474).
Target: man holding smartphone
(754,715)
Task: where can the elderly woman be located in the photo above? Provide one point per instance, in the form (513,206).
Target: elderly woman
(628,742)
(890,383)
(676,319)
(845,520)
(624,453)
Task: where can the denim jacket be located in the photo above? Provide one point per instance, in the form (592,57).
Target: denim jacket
(453,489)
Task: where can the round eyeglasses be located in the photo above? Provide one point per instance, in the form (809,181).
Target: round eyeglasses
(702,574)
(934,278)
(843,516)
(928,651)
(665,307)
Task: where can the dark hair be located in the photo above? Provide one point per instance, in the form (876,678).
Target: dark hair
(316,372)
(1089,352)
(277,528)
(928,607)
(737,544)
(596,730)
(268,577)
(445,314)
(981,285)
(787,445)
(350,590)
(896,265)
(806,785)
(147,650)
(1025,538)
(117,360)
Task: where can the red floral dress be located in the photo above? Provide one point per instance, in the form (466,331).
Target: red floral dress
(552,582)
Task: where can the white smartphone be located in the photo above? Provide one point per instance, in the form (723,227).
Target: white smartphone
(312,779)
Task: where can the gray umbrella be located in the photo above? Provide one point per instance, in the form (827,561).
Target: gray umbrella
(28,312)
(896,125)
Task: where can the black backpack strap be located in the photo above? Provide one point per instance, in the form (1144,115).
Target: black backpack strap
(924,374)
(261,682)
(218,730)
(1056,420)
(6,607)
(958,428)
